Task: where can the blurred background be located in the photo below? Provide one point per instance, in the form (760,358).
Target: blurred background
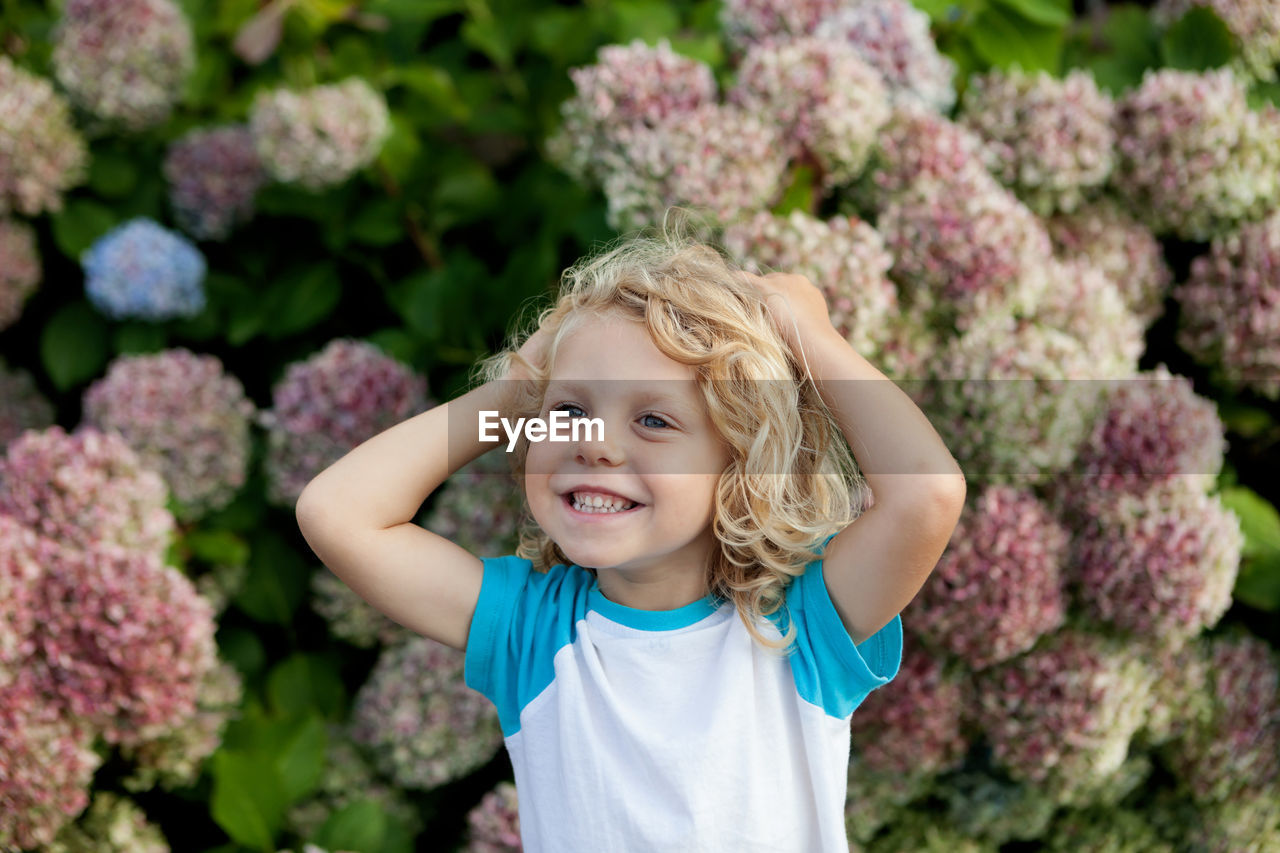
(239,238)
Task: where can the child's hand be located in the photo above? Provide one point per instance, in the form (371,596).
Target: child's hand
(797,306)
(533,350)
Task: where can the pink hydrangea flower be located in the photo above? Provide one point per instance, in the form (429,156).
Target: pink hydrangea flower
(125,61)
(421,723)
(1084,302)
(350,617)
(827,103)
(1160,563)
(998,587)
(748,22)
(19,268)
(1230,315)
(1124,249)
(85,490)
(480,507)
(319,137)
(112,824)
(214,175)
(1050,140)
(1194,159)
(493,826)
(893,37)
(325,406)
(45,154)
(1062,715)
(184,417)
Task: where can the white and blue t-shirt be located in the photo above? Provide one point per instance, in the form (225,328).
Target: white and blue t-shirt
(671,730)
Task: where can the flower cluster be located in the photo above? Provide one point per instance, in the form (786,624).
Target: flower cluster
(174,758)
(918,146)
(421,722)
(1104,828)
(844,256)
(1121,247)
(1194,160)
(19,268)
(827,103)
(124,61)
(323,407)
(348,777)
(1255,22)
(479,507)
(1006,397)
(85,490)
(142,269)
(1230,313)
(22,406)
(1235,748)
(128,657)
(1049,140)
(1152,430)
(893,37)
(965,248)
(319,137)
(46,760)
(913,727)
(717,157)
(984,804)
(112,824)
(184,417)
(1063,714)
(493,826)
(44,153)
(1158,564)
(998,587)
(349,616)
(628,84)
(213,177)
(748,22)
(1084,302)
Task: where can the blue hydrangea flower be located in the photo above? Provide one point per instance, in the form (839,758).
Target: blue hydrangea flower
(141,269)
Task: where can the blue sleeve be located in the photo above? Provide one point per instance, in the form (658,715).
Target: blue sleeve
(522,618)
(831,671)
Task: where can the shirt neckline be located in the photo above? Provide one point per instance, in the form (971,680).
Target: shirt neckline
(650,620)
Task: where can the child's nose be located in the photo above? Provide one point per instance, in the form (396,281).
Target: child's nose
(600,447)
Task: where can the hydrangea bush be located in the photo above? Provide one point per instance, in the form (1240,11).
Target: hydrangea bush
(142,269)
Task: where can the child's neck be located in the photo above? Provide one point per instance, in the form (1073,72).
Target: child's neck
(649,592)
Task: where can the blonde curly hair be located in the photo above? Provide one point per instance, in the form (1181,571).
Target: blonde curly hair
(792,480)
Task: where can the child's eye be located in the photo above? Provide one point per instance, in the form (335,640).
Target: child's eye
(566,406)
(656,418)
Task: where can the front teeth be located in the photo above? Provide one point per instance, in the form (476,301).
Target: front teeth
(596,503)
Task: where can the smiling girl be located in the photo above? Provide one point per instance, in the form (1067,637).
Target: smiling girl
(707,591)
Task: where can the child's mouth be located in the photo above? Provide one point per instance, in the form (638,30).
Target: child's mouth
(595,511)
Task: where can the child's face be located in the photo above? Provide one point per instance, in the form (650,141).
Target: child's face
(662,454)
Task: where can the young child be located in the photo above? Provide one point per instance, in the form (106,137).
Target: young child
(634,646)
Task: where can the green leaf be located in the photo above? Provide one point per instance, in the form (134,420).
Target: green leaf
(276,581)
(300,760)
(1051,13)
(302,682)
(419,301)
(414,10)
(242,649)
(799,196)
(436,86)
(708,49)
(1264,93)
(564,35)
(79,224)
(378,223)
(400,152)
(217,547)
(488,37)
(301,299)
(464,193)
(359,825)
(73,345)
(1258,584)
(1005,40)
(136,337)
(1258,520)
(247,800)
(112,174)
(649,20)
(1197,41)
(397,343)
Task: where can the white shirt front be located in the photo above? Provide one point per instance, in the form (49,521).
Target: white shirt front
(640,730)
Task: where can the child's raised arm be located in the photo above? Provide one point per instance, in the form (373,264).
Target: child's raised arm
(357,515)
